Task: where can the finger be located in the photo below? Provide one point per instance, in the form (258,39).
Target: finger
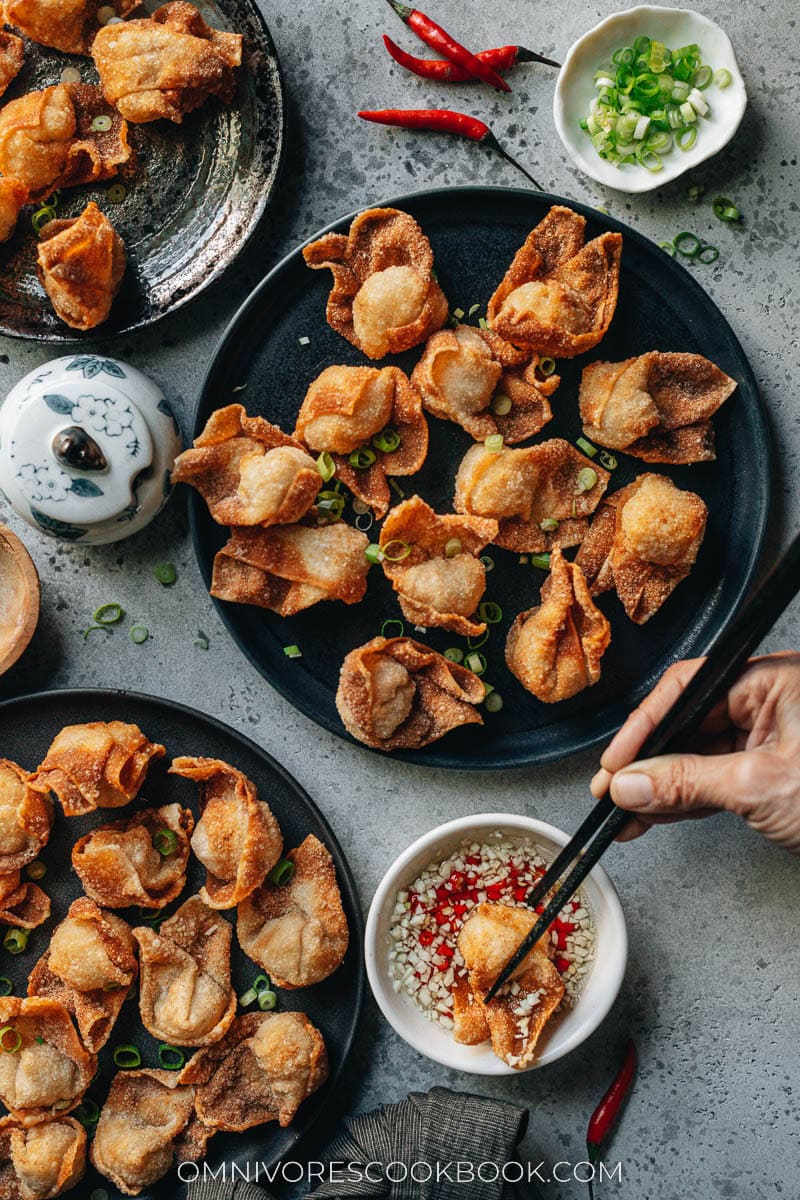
(643,720)
(682,783)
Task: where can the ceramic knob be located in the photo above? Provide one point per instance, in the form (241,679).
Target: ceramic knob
(86,449)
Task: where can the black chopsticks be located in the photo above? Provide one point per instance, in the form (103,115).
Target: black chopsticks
(726,659)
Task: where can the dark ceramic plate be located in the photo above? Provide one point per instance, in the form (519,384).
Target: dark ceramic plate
(27,726)
(475,232)
(193,200)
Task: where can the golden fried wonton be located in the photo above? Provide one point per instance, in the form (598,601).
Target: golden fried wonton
(68,25)
(25,818)
(12,56)
(466,374)
(396,694)
(40,1162)
(539,495)
(657,407)
(22,904)
(167,64)
(263,1069)
(89,967)
(81,262)
(518,1014)
(49,1071)
(385,297)
(185,993)
(144,1115)
(346,407)
(13,197)
(441,579)
(101,764)
(248,471)
(643,541)
(559,295)
(237,838)
(121,864)
(555,649)
(290,567)
(470,1026)
(297,931)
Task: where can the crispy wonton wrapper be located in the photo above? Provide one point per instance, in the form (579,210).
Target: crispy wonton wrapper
(396,694)
(25,818)
(643,541)
(166,65)
(345,407)
(67,25)
(13,197)
(12,56)
(185,993)
(527,489)
(470,1027)
(290,567)
(385,297)
(657,407)
(89,967)
(81,262)
(263,1069)
(297,931)
(248,471)
(559,295)
(237,838)
(555,649)
(119,865)
(518,1014)
(22,904)
(437,583)
(47,1075)
(40,1162)
(145,1114)
(101,764)
(466,372)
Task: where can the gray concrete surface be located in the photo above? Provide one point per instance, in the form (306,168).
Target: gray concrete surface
(711,993)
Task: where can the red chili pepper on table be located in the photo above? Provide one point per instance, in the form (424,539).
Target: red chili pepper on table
(604,1117)
(439,39)
(443,71)
(444,120)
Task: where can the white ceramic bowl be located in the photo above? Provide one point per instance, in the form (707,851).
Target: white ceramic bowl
(564,1032)
(674,27)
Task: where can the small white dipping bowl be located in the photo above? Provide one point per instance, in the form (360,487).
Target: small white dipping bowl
(674,27)
(565,1031)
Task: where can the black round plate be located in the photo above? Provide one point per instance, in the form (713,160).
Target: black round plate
(475,232)
(27,726)
(192,201)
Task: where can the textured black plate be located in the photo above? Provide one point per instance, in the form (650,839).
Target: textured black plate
(194,198)
(27,726)
(475,232)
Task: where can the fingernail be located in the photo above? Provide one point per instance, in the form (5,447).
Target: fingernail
(632,790)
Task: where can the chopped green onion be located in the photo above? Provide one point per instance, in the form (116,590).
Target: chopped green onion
(92,628)
(293,651)
(362,459)
(16,940)
(687,244)
(474,643)
(668,248)
(139,634)
(247,998)
(695,191)
(587,478)
(108,614)
(36,870)
(282,872)
(725,210)
(395,486)
(117,193)
(326,466)
(452,547)
(40,1042)
(387,441)
(493,702)
(374,554)
(588,449)
(501,406)
(490,612)
(170,1057)
(723,77)
(101,124)
(201,641)
(165,573)
(127,1057)
(494,443)
(454,654)
(473,309)
(702,77)
(391,623)
(546,366)
(10,1039)
(267,1000)
(686,138)
(6,986)
(330,505)
(165,841)
(607,460)
(487,561)
(261,982)
(541,560)
(707,254)
(304,341)
(88,1113)
(476,663)
(548,525)
(395,550)
(458,312)
(482,322)
(42,217)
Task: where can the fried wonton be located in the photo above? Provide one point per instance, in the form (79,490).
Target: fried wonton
(345,407)
(657,407)
(121,864)
(555,649)
(167,64)
(13,197)
(145,1114)
(25,818)
(81,262)
(297,931)
(522,1008)
(47,140)
(237,838)
(89,967)
(248,471)
(643,541)
(539,495)
(68,25)
(290,567)
(385,297)
(22,904)
(185,993)
(46,1076)
(40,1162)
(559,295)
(396,694)
(263,1069)
(101,764)
(467,373)
(12,56)
(441,579)
(470,1027)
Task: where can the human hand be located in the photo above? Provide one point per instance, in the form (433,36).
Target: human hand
(744,758)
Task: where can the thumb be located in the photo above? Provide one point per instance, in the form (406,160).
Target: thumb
(680,783)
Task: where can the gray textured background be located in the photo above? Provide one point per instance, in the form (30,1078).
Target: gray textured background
(711,993)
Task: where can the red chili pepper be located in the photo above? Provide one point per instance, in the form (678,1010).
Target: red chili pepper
(425,937)
(605,1116)
(439,39)
(503,58)
(444,120)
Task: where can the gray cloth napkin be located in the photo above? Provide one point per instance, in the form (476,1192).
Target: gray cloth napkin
(438,1129)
